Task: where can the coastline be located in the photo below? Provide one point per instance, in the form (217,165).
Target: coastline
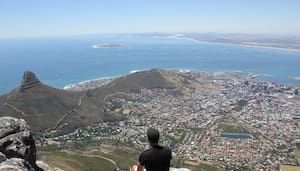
(239,44)
(88,84)
(269,47)
(297,78)
(98,82)
(255,46)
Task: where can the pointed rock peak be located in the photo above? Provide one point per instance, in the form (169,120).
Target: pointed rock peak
(29,81)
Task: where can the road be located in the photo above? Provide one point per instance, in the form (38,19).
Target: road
(16,109)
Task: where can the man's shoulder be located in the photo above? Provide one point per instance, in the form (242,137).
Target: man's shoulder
(144,155)
(161,148)
(163,153)
(146,151)
(166,149)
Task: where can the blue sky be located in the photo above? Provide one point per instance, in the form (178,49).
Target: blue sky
(35,18)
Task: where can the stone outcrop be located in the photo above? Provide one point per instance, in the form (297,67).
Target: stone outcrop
(46,167)
(17,146)
(2,157)
(29,81)
(16,164)
(179,169)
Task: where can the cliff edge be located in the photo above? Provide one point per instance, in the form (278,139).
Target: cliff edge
(17,147)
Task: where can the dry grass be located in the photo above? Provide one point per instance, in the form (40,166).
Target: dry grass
(75,162)
(289,168)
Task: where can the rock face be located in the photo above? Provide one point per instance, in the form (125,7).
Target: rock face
(17,146)
(29,81)
(15,164)
(179,169)
(2,157)
(46,167)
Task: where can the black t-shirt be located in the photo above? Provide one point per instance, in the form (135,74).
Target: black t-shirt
(156,158)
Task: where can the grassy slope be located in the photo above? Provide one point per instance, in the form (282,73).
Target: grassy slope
(124,159)
(134,83)
(45,105)
(72,162)
(123,156)
(289,168)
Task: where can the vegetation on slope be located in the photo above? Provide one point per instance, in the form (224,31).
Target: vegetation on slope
(47,108)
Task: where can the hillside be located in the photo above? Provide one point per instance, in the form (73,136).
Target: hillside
(150,79)
(42,106)
(48,108)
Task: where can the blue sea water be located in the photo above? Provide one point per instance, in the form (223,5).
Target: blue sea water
(64,60)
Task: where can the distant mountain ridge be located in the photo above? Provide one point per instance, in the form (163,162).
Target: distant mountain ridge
(48,108)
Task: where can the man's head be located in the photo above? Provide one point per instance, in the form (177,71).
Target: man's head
(153,135)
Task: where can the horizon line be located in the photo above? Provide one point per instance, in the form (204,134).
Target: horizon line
(154,32)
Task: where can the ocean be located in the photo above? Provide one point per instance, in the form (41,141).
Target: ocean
(60,61)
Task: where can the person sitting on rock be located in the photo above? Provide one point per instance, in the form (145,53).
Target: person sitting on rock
(156,158)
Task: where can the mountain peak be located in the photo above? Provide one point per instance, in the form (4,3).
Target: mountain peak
(29,81)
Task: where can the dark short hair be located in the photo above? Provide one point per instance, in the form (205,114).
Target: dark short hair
(153,135)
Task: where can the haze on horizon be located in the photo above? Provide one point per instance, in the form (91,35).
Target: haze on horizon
(35,18)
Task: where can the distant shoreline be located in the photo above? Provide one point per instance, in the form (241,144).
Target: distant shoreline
(240,44)
(88,84)
(254,46)
(98,82)
(297,78)
(269,47)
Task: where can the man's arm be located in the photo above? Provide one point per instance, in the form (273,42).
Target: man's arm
(137,167)
(141,162)
(140,167)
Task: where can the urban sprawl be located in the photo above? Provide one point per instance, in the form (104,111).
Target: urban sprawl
(230,119)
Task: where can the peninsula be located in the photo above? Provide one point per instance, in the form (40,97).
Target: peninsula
(254,40)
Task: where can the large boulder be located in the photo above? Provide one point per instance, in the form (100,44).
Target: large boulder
(2,157)
(46,167)
(16,141)
(16,164)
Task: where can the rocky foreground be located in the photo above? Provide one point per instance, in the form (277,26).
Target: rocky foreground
(17,147)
